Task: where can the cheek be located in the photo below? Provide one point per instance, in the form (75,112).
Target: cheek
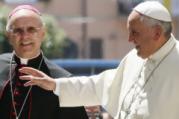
(11,41)
(37,43)
(38,39)
(147,46)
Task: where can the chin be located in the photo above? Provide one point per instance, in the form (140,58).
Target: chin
(141,56)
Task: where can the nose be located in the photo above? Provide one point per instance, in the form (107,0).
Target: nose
(25,34)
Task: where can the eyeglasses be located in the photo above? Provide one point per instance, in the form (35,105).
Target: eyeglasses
(19,31)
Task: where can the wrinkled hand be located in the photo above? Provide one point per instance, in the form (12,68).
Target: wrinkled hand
(38,78)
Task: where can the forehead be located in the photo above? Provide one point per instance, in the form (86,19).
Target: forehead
(134,17)
(135,20)
(25,17)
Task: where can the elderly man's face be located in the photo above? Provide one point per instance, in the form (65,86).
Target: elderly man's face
(26,33)
(142,35)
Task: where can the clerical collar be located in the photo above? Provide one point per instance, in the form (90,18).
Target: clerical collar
(164,49)
(24,61)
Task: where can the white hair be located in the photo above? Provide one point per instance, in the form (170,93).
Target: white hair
(166,26)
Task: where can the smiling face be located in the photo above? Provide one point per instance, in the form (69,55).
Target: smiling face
(146,38)
(26,33)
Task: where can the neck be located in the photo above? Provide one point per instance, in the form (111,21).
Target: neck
(27,55)
(25,60)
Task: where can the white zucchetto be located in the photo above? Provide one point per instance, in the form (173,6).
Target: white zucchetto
(154,9)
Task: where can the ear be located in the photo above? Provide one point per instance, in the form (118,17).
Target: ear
(7,34)
(158,32)
(43,33)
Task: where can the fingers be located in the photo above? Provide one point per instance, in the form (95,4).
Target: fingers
(31,71)
(38,78)
(26,77)
(29,83)
(32,80)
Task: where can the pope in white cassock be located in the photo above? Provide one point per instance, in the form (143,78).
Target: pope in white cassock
(146,83)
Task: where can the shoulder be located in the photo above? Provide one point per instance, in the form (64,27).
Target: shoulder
(132,57)
(5,57)
(55,70)
(131,60)
(4,64)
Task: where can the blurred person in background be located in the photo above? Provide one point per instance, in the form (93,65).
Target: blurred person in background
(145,84)
(25,32)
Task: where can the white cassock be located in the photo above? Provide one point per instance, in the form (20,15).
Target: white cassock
(137,89)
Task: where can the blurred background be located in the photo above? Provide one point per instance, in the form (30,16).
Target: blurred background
(84,29)
(83,34)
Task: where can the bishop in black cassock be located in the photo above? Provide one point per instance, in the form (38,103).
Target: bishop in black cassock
(40,104)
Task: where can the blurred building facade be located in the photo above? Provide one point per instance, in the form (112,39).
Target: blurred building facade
(97,27)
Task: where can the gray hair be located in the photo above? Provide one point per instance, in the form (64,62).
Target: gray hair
(166,26)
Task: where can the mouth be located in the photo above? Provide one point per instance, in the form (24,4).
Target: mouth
(27,43)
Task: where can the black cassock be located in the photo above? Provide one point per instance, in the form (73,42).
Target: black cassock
(40,104)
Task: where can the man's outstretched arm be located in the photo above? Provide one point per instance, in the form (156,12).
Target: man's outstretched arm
(74,91)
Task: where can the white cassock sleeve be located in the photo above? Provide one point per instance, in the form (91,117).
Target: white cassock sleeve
(83,90)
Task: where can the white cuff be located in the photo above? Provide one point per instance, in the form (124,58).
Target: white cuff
(57,88)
